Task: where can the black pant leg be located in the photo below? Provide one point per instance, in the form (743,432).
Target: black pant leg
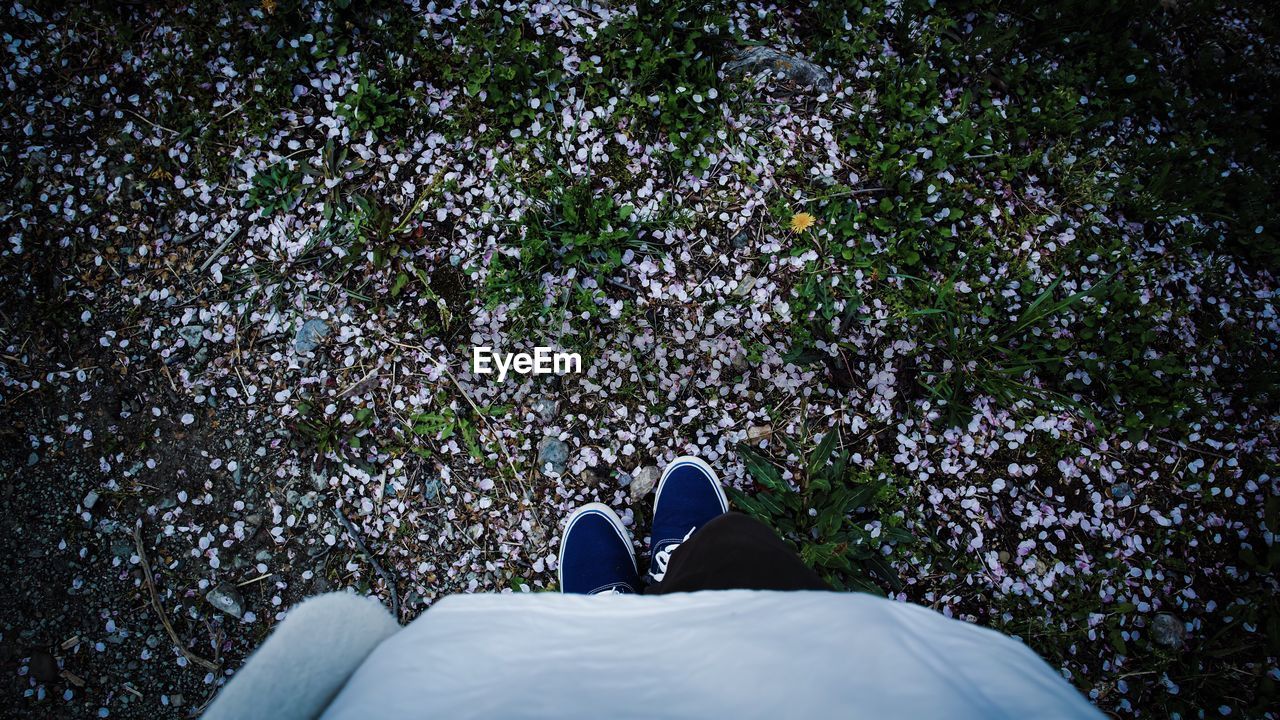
(734,551)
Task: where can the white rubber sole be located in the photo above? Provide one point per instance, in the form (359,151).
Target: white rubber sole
(701,465)
(597,509)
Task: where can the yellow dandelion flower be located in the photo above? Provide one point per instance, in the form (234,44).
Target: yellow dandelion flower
(801,221)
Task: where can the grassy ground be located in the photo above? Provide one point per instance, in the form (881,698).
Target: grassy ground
(989,324)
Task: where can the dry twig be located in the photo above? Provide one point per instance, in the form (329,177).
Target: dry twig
(155,603)
(386,576)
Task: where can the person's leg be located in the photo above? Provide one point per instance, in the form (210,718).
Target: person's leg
(596,556)
(306,660)
(734,551)
(699,545)
(688,497)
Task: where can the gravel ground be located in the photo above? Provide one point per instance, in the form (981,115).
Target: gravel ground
(248,249)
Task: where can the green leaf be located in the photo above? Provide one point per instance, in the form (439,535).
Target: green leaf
(850,500)
(770,503)
(398,286)
(818,459)
(877,564)
(1117,642)
(761,470)
(800,356)
(827,555)
(829,520)
(749,505)
(897,535)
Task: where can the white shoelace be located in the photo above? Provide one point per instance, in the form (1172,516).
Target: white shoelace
(663,556)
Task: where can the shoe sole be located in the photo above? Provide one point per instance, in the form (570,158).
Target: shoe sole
(701,465)
(611,516)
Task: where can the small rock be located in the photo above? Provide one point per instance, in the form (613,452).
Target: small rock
(309,335)
(90,500)
(176,700)
(1168,630)
(741,240)
(546,408)
(745,286)
(43,667)
(757,434)
(796,71)
(553,453)
(193,335)
(1121,490)
(431,489)
(646,478)
(122,548)
(226,598)
(624,479)
(32,459)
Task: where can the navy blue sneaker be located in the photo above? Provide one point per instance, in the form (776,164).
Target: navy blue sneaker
(689,495)
(596,554)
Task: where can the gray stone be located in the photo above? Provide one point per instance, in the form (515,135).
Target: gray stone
(624,479)
(90,500)
(644,482)
(226,598)
(1121,490)
(122,548)
(192,334)
(33,458)
(546,408)
(1168,630)
(757,434)
(795,71)
(553,456)
(431,489)
(309,335)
